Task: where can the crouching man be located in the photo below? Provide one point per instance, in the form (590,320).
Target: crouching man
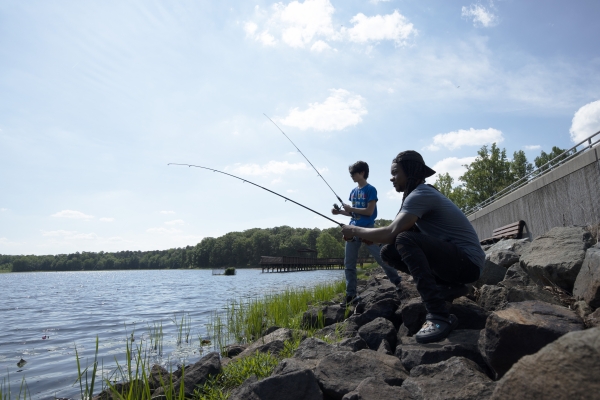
(442,255)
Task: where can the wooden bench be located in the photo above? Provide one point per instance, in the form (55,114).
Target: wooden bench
(510,231)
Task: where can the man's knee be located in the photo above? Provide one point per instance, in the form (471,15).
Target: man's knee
(387,253)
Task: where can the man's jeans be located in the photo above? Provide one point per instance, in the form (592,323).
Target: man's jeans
(430,261)
(351,255)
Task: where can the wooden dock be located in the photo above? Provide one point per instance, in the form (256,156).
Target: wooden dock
(295,264)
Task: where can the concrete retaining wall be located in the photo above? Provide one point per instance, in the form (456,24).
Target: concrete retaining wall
(568,195)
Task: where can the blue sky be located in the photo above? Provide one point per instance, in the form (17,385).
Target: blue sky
(97,97)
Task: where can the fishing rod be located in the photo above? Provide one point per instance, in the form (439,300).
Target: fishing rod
(318,173)
(264,188)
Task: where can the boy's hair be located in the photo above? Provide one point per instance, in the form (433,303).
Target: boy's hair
(359,166)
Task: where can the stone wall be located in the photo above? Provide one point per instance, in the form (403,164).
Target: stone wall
(568,195)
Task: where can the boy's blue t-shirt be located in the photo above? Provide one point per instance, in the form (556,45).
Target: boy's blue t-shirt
(360,198)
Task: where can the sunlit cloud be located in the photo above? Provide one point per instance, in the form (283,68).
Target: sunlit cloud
(586,122)
(70,235)
(320,46)
(472,137)
(272,167)
(5,242)
(58,233)
(3,209)
(107,219)
(453,166)
(167,212)
(72,215)
(532,147)
(480,15)
(340,110)
(394,27)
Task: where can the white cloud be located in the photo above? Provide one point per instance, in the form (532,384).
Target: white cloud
(167,212)
(472,137)
(393,26)
(292,191)
(250,28)
(586,122)
(320,46)
(340,110)
(532,147)
(3,209)
(162,230)
(266,39)
(303,21)
(72,214)
(480,15)
(107,219)
(378,1)
(175,222)
(452,166)
(272,167)
(58,233)
(5,242)
(85,236)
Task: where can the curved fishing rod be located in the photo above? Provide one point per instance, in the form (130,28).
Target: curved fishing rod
(264,188)
(300,151)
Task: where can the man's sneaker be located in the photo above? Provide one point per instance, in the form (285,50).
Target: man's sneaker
(451,292)
(398,287)
(351,300)
(436,328)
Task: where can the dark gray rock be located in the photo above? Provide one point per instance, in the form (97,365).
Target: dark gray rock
(194,375)
(377,330)
(340,373)
(460,343)
(413,314)
(385,308)
(470,315)
(297,385)
(492,273)
(456,378)
(376,389)
(563,370)
(158,377)
(587,284)
(355,343)
(556,256)
(502,257)
(516,245)
(593,320)
(385,348)
(234,349)
(515,276)
(492,297)
(280,335)
(313,349)
(288,365)
(582,309)
(323,316)
(522,329)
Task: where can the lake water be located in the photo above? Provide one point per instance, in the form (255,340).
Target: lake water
(69,309)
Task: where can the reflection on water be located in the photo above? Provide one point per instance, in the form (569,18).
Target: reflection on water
(46,315)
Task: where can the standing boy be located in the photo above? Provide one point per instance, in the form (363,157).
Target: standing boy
(363,212)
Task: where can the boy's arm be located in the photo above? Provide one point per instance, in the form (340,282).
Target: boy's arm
(340,212)
(387,234)
(362,211)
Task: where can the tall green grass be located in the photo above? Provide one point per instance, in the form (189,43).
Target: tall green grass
(7,394)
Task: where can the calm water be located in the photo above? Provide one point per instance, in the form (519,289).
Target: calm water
(72,308)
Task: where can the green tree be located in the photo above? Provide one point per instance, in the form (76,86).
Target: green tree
(444,184)
(544,157)
(328,246)
(519,166)
(487,175)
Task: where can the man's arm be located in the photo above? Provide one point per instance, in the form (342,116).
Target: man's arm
(362,211)
(387,234)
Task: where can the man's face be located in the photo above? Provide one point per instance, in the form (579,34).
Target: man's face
(398,178)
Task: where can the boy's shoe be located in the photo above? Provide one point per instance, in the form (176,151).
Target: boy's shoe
(451,292)
(436,328)
(351,300)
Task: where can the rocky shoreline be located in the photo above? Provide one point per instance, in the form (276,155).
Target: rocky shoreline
(529,329)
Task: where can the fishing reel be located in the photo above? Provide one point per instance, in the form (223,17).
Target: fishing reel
(336,207)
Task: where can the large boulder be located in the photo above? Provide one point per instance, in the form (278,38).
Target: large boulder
(593,319)
(355,343)
(314,349)
(496,263)
(517,246)
(556,256)
(493,298)
(413,314)
(197,374)
(377,330)
(587,284)
(323,316)
(340,373)
(456,378)
(377,389)
(563,370)
(264,345)
(385,308)
(460,343)
(296,385)
(470,315)
(515,276)
(522,329)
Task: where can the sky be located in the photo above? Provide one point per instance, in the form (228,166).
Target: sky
(97,97)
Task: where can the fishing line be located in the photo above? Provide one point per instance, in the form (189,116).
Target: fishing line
(264,188)
(300,151)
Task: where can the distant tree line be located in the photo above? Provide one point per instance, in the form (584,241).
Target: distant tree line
(491,172)
(237,249)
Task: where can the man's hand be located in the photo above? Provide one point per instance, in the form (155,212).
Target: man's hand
(348,231)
